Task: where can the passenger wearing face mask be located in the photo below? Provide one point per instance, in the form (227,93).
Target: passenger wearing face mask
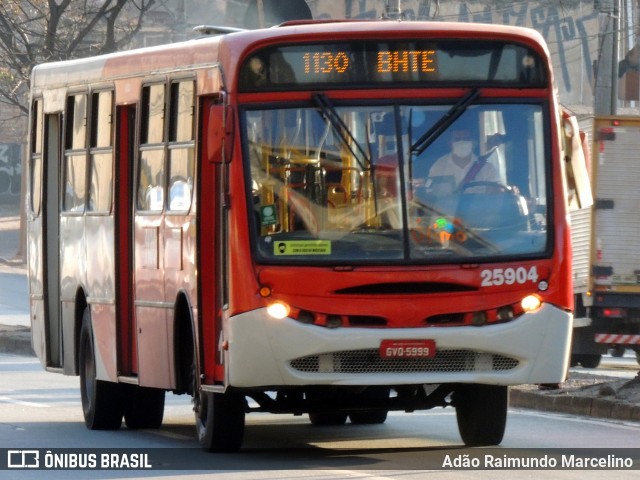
(452,171)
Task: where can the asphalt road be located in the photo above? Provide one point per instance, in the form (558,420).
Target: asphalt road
(42,411)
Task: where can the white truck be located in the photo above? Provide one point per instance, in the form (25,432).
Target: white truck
(606,246)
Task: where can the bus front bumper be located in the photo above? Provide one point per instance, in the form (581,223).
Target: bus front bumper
(265,352)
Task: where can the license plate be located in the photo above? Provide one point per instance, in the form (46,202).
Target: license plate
(407,348)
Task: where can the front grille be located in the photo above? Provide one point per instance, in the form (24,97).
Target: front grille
(369,361)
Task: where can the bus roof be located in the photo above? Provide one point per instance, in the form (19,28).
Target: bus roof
(226,50)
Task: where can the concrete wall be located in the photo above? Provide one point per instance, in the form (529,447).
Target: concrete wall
(570,27)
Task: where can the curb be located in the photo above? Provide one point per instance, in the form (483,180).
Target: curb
(575,405)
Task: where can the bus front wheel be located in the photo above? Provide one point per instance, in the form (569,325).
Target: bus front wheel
(220,421)
(102,403)
(481,412)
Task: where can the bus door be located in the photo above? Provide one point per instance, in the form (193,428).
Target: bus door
(152,313)
(125,154)
(51,238)
(164,232)
(214,276)
(179,228)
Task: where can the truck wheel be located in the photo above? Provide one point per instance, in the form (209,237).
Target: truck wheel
(144,407)
(590,361)
(101,401)
(617,351)
(220,421)
(638,356)
(481,412)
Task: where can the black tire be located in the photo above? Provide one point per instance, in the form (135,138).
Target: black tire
(322,419)
(371,417)
(219,416)
(481,412)
(617,351)
(101,400)
(220,421)
(590,361)
(144,407)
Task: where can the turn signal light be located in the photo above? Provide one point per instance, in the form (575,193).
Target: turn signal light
(265,292)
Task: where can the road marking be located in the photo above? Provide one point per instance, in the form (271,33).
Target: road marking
(22,402)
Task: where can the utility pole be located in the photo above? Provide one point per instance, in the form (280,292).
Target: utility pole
(260,5)
(393,9)
(606,87)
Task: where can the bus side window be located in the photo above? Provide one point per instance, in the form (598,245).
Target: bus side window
(150,181)
(75,175)
(101,155)
(75,172)
(151,168)
(181,145)
(152,131)
(180,179)
(36,157)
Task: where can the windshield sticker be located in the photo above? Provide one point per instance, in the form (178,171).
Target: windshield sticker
(302,247)
(268,215)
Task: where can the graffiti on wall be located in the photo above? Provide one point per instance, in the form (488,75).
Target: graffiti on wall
(10,171)
(571,31)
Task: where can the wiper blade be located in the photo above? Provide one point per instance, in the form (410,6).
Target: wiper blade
(331,115)
(445,122)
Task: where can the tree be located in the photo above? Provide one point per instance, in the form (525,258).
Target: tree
(36,31)
(275,12)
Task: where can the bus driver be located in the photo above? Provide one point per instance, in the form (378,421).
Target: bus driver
(451,172)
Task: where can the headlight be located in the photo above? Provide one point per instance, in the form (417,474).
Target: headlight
(278,310)
(531,303)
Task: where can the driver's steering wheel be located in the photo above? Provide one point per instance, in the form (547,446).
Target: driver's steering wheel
(491,186)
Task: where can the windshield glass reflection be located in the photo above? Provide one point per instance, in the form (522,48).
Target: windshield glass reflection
(396,183)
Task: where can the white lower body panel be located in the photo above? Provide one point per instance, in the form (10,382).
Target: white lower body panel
(265,352)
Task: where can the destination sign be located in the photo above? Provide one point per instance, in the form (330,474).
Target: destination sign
(366,64)
(387,61)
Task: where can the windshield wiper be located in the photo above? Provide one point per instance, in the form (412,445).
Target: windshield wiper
(331,115)
(445,122)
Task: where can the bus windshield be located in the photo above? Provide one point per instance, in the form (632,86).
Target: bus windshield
(401,182)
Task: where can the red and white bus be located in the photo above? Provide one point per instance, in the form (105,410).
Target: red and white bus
(253,216)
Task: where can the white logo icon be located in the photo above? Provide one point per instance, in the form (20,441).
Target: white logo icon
(23,459)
